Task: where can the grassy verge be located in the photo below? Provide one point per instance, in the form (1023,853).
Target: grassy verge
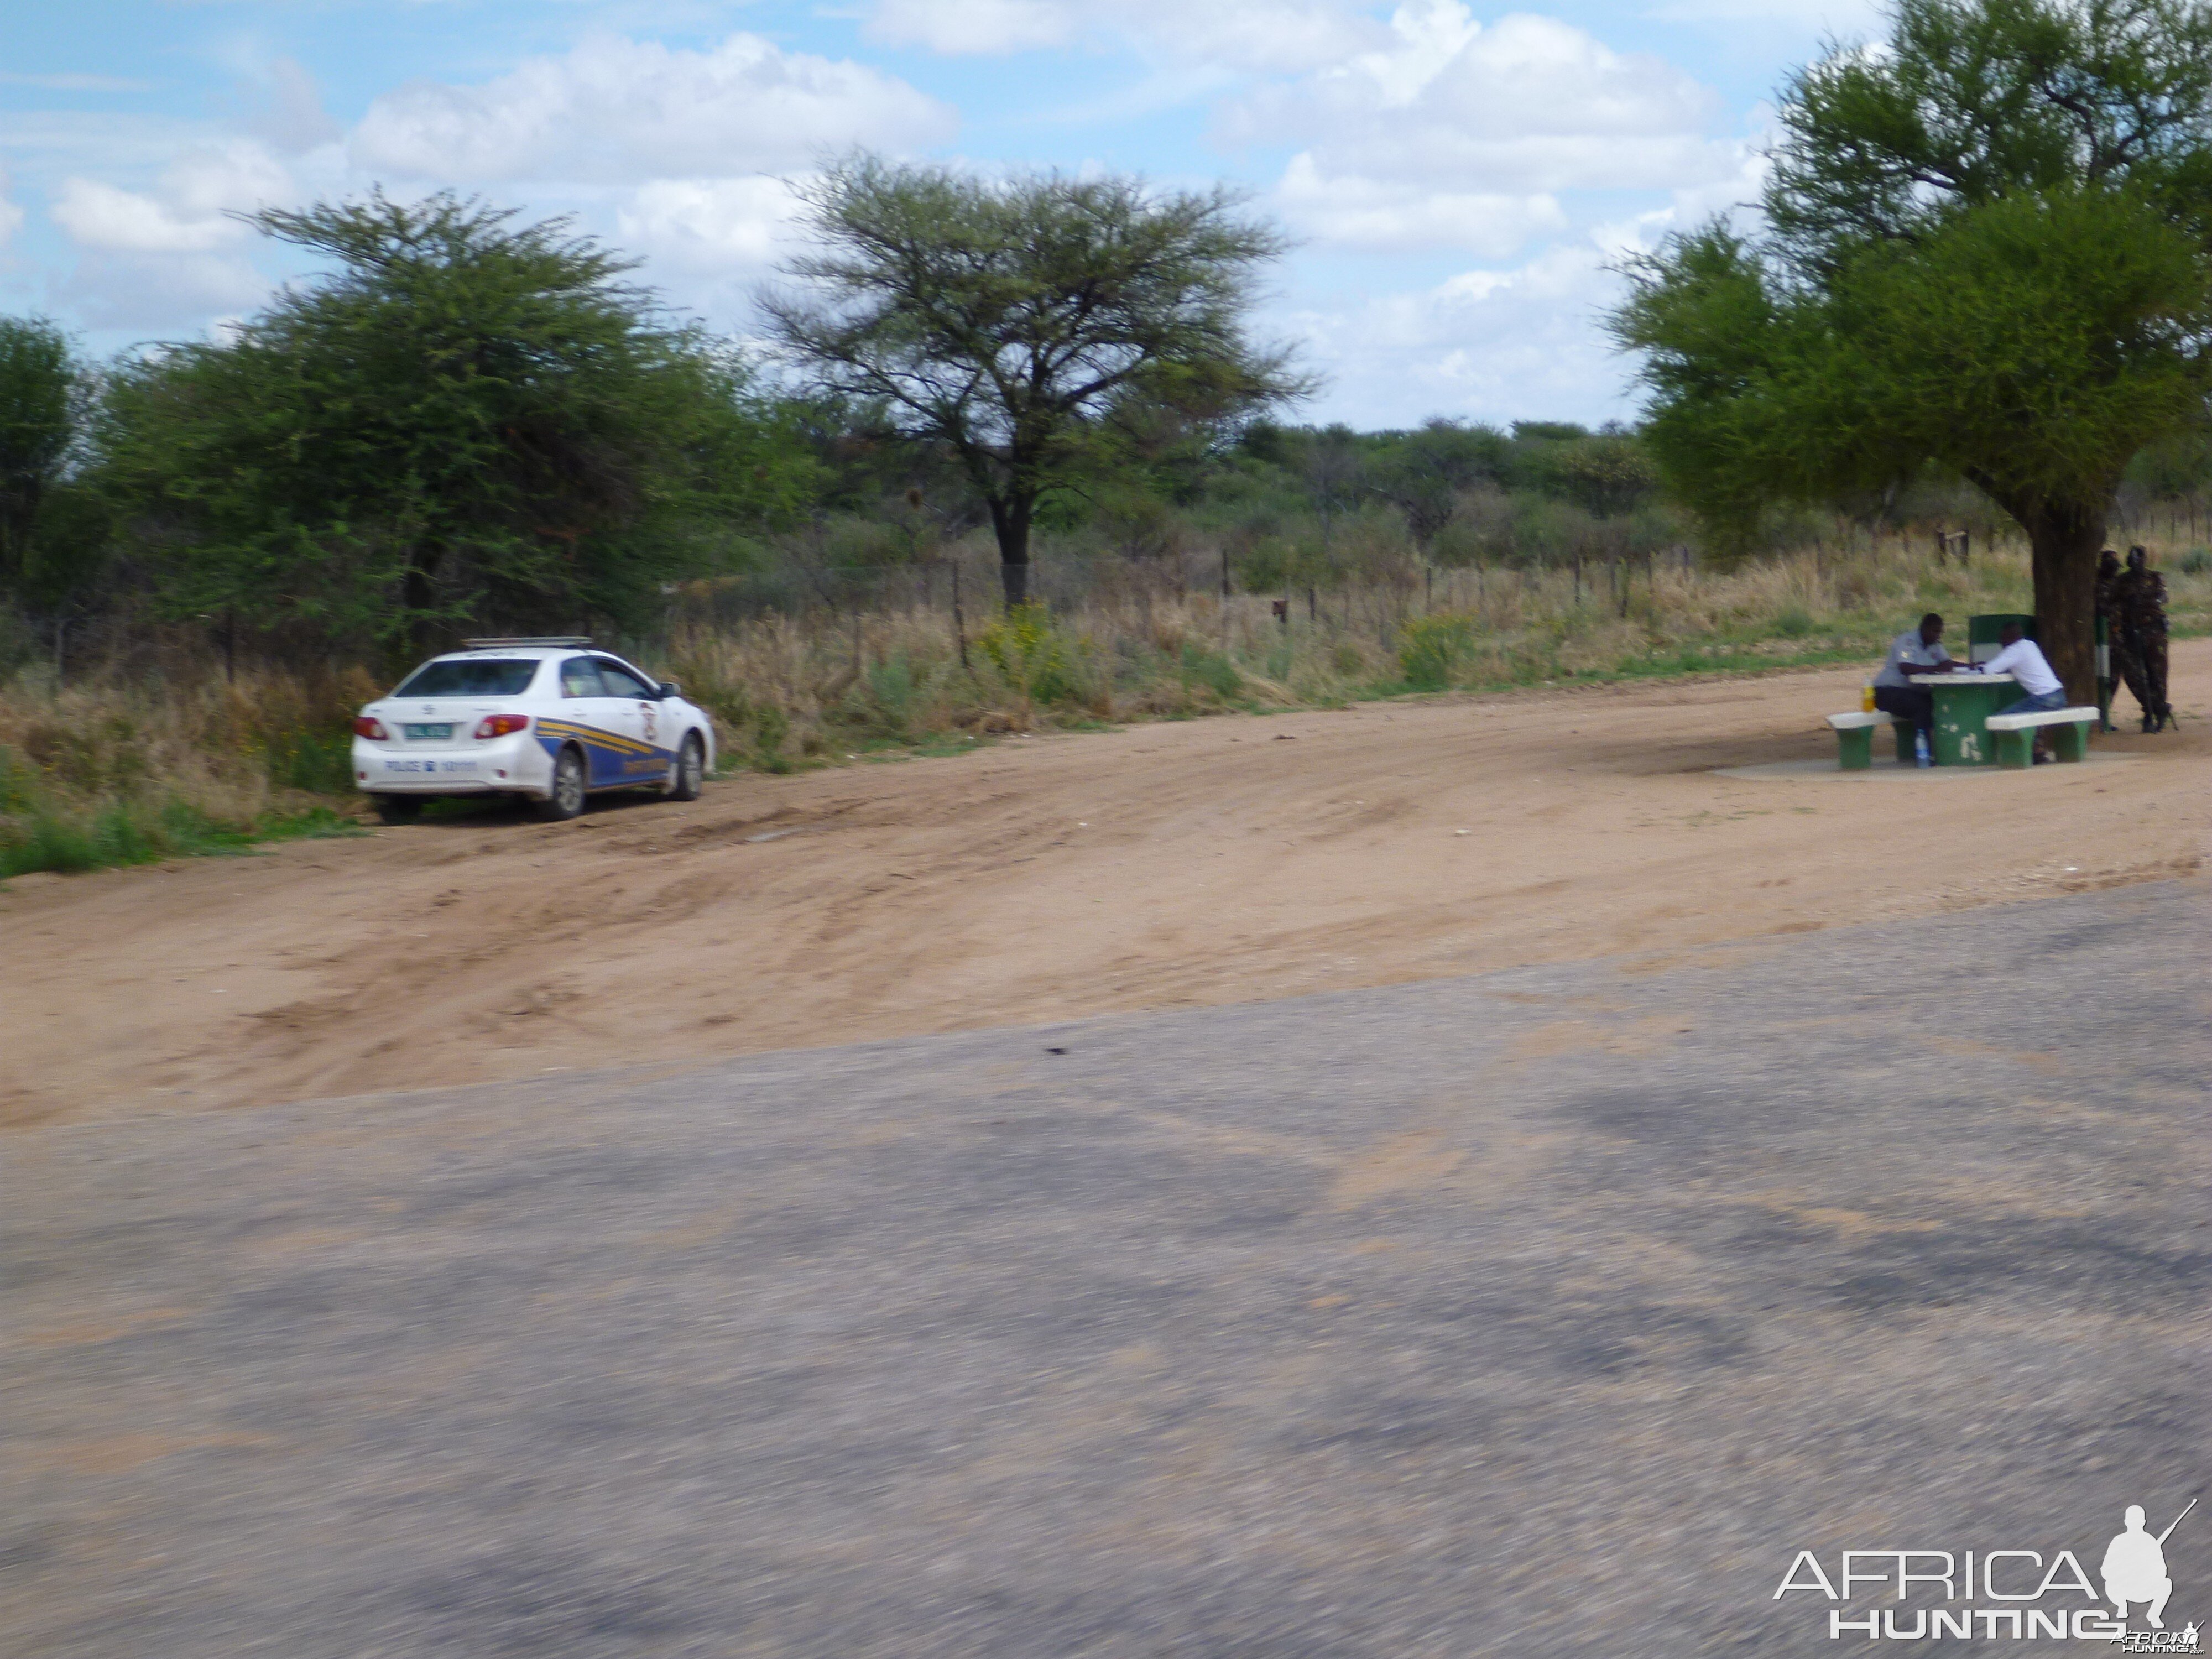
(140,833)
(123,772)
(790,694)
(104,775)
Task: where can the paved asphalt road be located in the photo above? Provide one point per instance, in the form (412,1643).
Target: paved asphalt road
(1543,1313)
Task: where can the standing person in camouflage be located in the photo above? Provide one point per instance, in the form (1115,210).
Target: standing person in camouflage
(2140,597)
(2112,657)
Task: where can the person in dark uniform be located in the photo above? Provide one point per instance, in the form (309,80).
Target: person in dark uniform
(2140,598)
(2109,662)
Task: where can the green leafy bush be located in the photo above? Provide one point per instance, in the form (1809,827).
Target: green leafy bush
(1794,623)
(319,761)
(1034,655)
(1431,649)
(1212,670)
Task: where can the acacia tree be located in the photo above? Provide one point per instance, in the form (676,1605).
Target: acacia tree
(1423,472)
(464,420)
(1029,325)
(1985,248)
(41,412)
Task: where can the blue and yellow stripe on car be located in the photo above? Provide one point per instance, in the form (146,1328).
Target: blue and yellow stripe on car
(551,732)
(614,759)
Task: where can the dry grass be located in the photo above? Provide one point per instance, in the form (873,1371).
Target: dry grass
(113,769)
(109,771)
(791,691)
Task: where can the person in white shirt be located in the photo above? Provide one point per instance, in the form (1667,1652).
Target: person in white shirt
(1913,654)
(2023,659)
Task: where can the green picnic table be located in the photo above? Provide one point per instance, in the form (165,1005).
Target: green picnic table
(1964,703)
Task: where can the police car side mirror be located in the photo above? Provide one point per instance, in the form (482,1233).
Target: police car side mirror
(671,688)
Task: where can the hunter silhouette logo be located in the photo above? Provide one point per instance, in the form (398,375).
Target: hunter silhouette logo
(2019,1593)
(2134,1566)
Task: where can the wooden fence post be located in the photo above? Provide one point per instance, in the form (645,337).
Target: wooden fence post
(959,622)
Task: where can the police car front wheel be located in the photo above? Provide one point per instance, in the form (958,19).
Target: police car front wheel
(565,799)
(688,776)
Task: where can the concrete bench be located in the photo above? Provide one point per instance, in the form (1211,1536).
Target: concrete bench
(2069,734)
(1855,739)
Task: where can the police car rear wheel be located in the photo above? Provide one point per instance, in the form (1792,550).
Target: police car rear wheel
(398,809)
(688,777)
(567,799)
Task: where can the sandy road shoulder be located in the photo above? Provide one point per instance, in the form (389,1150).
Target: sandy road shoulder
(1209,861)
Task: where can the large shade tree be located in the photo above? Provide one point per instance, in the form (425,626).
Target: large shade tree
(1985,247)
(1035,326)
(465,420)
(41,411)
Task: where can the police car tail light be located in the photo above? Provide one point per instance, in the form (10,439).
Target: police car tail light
(367,726)
(500,726)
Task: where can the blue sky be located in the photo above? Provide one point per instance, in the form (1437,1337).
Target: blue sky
(1459,175)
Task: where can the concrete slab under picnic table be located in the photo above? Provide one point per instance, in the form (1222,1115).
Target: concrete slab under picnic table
(1545,1312)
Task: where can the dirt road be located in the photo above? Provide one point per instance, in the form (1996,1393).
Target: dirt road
(1217,861)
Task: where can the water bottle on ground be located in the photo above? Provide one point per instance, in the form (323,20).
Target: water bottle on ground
(1920,750)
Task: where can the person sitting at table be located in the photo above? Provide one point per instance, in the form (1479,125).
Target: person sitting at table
(2042,690)
(1912,653)
(2022,658)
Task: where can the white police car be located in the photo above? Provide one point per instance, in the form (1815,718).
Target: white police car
(551,720)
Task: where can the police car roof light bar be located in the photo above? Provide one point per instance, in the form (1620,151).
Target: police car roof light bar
(580,640)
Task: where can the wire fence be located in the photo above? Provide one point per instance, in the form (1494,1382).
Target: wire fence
(971,585)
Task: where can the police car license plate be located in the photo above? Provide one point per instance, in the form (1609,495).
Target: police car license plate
(419,733)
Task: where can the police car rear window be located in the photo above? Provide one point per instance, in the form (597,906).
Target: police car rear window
(470,677)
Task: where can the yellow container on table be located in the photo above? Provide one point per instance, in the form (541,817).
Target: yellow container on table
(1866,698)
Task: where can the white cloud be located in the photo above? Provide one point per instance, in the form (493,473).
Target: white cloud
(615,110)
(964,26)
(293,119)
(1734,195)
(1824,19)
(99,215)
(1526,103)
(716,226)
(1276,35)
(188,213)
(1452,133)
(1359,212)
(162,292)
(1486,344)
